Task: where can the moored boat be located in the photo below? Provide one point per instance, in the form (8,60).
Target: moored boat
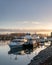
(15,43)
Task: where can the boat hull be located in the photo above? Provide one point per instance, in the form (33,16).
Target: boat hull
(15,46)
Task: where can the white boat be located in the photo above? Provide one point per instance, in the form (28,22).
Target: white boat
(40,40)
(29,39)
(19,42)
(16,43)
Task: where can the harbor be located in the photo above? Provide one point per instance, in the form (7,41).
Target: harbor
(27,47)
(25,32)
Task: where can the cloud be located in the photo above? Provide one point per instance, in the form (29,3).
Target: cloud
(25,21)
(33,22)
(28,22)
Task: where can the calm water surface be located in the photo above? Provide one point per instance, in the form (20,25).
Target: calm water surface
(16,56)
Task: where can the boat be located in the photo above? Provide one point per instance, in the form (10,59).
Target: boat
(26,41)
(15,43)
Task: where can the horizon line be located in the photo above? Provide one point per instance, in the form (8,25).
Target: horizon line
(32,30)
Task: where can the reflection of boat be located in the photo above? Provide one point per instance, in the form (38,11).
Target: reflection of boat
(16,43)
(20,51)
(16,51)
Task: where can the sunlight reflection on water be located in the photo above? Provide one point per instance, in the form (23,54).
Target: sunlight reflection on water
(17,56)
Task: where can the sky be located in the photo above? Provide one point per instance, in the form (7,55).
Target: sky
(25,14)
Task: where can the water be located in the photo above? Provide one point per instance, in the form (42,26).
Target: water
(16,56)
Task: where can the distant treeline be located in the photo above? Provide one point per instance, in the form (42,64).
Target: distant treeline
(11,36)
(17,35)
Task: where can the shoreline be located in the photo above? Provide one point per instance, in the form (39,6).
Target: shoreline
(42,56)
